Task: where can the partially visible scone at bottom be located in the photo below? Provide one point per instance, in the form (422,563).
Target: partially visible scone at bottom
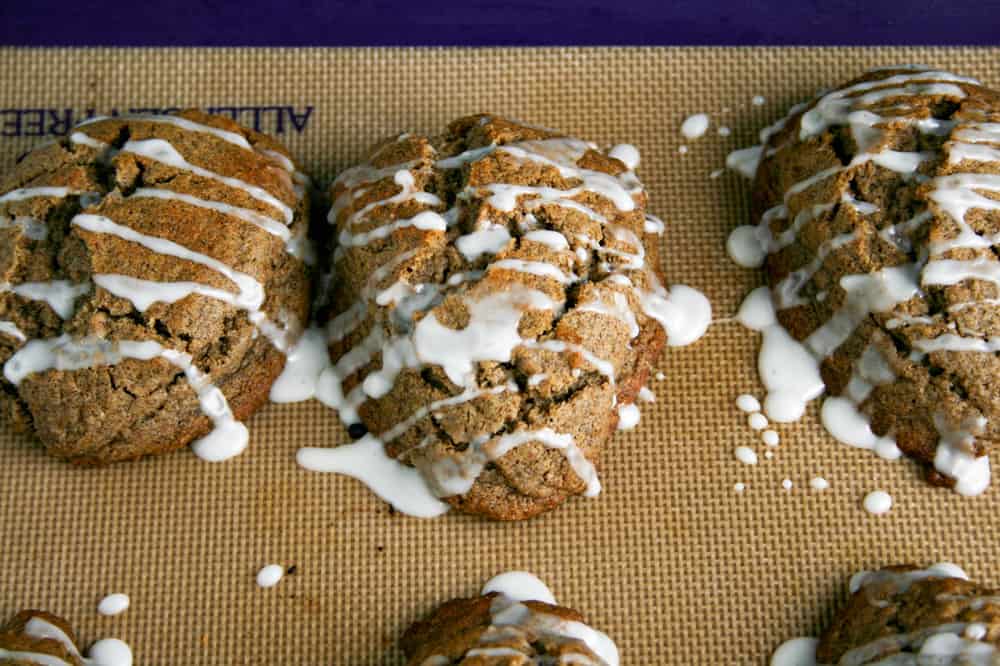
(152,279)
(903,615)
(496,630)
(497,307)
(35,637)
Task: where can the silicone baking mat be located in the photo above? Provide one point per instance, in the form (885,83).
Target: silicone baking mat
(669,560)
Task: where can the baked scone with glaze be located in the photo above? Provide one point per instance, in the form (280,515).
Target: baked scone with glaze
(153,277)
(905,615)
(35,637)
(497,306)
(495,630)
(879,209)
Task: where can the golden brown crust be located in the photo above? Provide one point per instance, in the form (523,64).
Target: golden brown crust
(137,408)
(956,387)
(878,619)
(574,397)
(461,625)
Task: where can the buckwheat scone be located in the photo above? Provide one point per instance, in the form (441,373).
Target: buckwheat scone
(497,305)
(152,279)
(496,630)
(879,208)
(904,615)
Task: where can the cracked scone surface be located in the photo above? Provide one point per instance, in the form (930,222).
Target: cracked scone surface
(160,205)
(883,208)
(492,227)
(896,613)
(465,632)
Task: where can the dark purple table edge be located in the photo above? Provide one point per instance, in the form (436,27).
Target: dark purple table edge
(295,23)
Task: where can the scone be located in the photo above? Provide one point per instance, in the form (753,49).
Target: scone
(36,637)
(914,616)
(153,278)
(880,209)
(495,630)
(496,305)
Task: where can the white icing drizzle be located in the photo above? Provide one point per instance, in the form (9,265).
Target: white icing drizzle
(954,643)
(83,139)
(881,291)
(491,333)
(902,580)
(23,193)
(268,224)
(627,154)
(365,460)
(512,619)
(954,456)
(60,295)
(519,586)
(484,241)
(177,121)
(162,151)
(819,483)
(228,437)
(105,652)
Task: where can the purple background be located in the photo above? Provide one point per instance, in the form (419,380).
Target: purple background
(481,23)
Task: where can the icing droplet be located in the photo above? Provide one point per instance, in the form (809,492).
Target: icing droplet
(819,483)
(695,126)
(113,604)
(628,416)
(745,248)
(745,160)
(270,575)
(110,652)
(724,131)
(748,403)
(758,100)
(768,454)
(770,437)
(796,652)
(739,487)
(878,502)
(787,484)
(746,455)
(757,421)
(520,586)
(682,150)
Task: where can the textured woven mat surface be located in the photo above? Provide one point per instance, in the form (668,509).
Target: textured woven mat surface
(669,560)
